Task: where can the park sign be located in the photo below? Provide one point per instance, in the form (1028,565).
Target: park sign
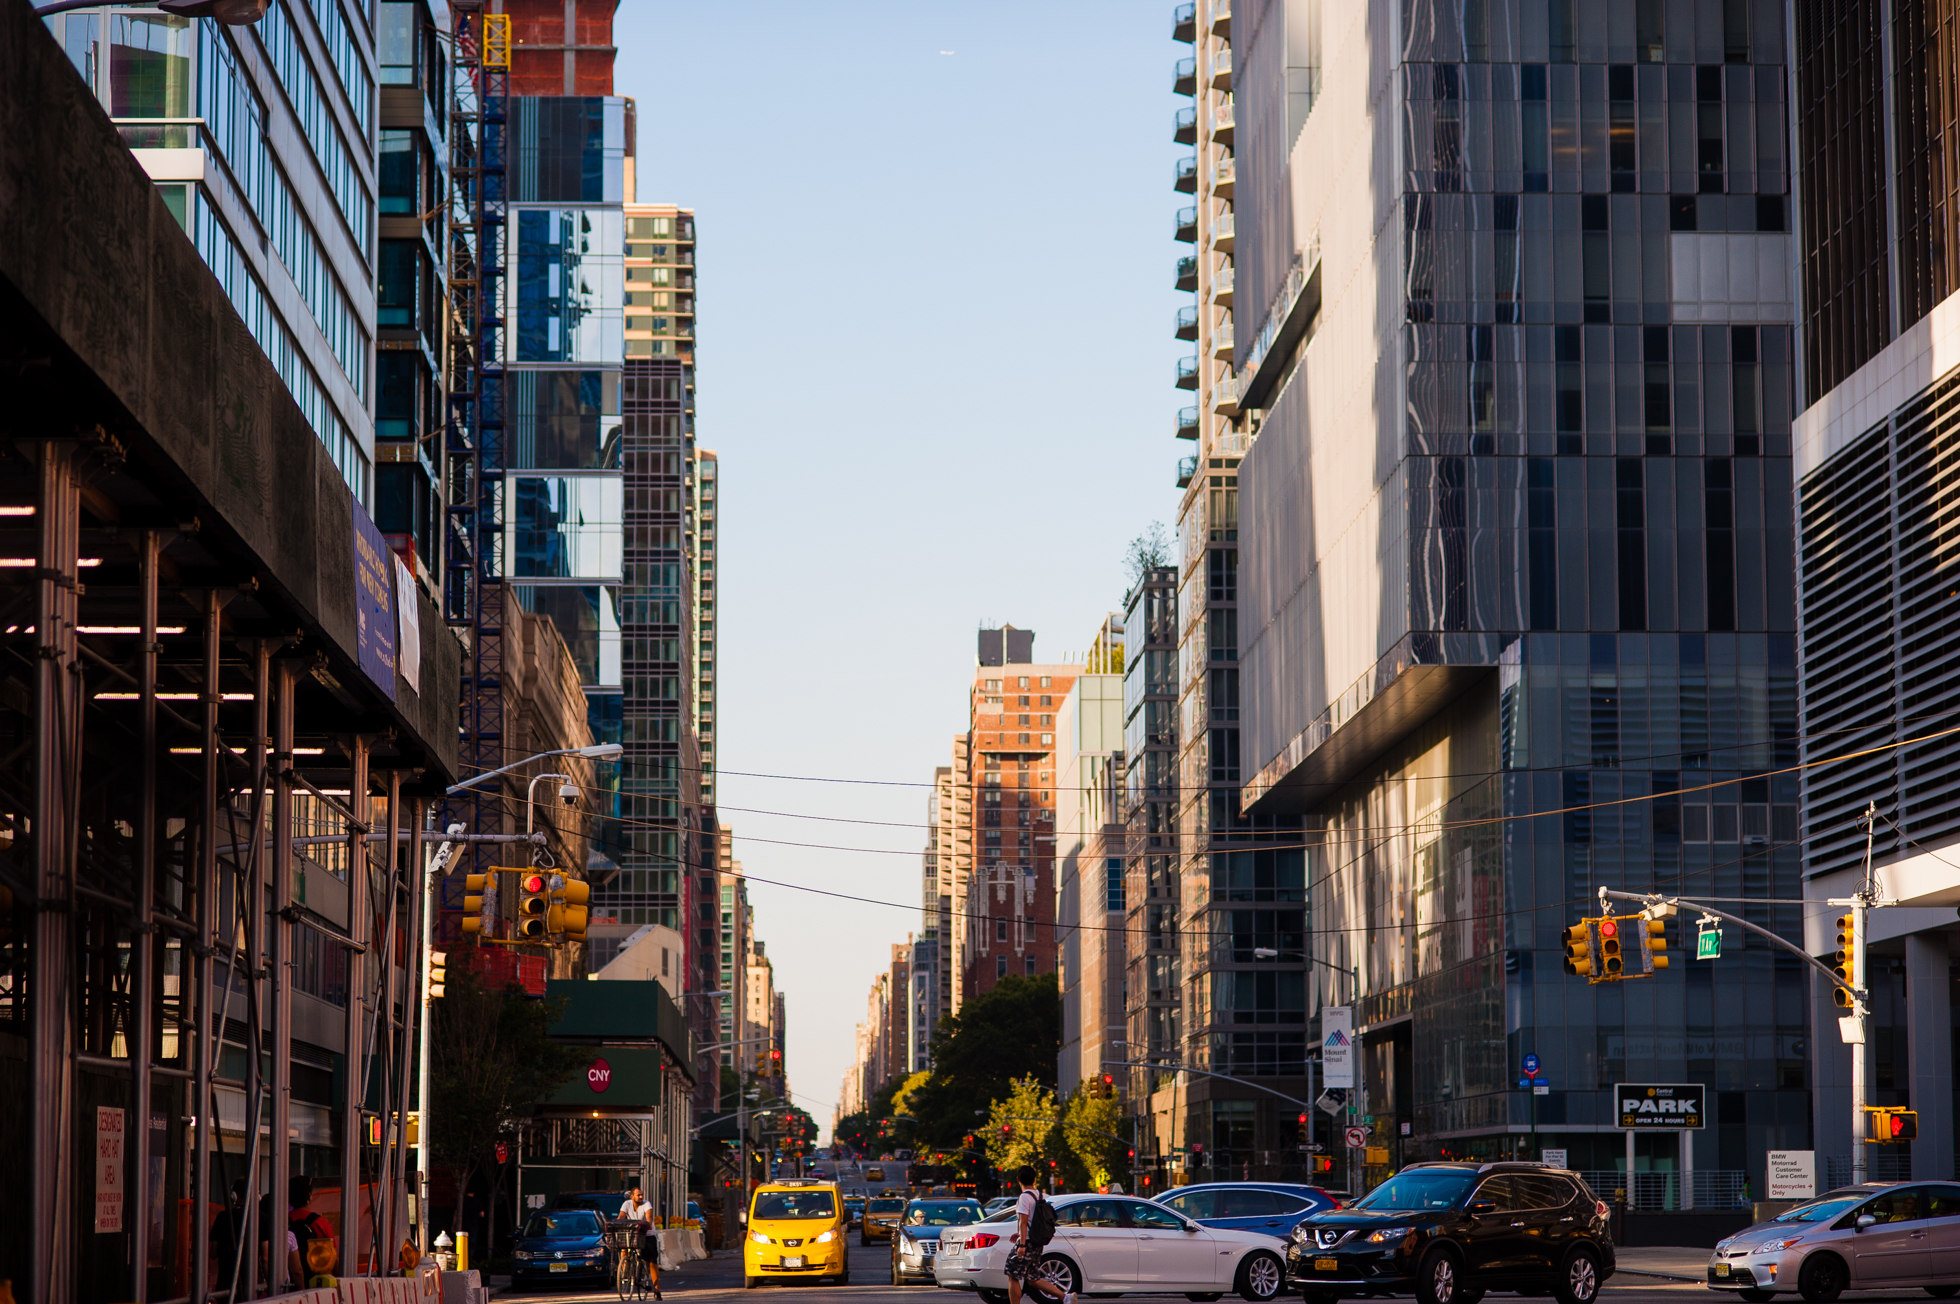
(1660,1107)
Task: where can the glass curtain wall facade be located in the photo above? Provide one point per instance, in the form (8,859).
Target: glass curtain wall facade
(262,142)
(1566,591)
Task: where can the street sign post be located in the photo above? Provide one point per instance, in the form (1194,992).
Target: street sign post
(1356,1137)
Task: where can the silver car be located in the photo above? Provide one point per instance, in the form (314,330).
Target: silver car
(1876,1236)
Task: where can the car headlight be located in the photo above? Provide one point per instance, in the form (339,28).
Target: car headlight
(521,1254)
(1387,1234)
(826,1238)
(758,1238)
(1770,1247)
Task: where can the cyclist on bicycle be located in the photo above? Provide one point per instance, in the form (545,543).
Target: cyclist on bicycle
(636,1209)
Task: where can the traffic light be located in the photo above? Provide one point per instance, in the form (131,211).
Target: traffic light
(1611,963)
(479,903)
(1845,965)
(1885,1125)
(438,972)
(1579,950)
(533,903)
(568,912)
(1654,939)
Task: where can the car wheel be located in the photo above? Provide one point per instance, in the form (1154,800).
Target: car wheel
(1579,1282)
(1261,1277)
(1822,1279)
(844,1277)
(1756,1296)
(1060,1272)
(750,1283)
(1437,1278)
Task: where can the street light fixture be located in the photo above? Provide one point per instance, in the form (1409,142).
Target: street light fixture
(596,752)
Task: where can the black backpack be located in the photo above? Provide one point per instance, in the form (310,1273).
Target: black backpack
(1041,1223)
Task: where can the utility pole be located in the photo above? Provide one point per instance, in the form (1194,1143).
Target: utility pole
(1855,1027)
(425,1133)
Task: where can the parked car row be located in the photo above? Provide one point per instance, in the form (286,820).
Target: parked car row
(1873,1236)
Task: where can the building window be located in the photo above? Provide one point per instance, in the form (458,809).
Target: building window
(1028,965)
(1000,930)
(1113,883)
(1000,966)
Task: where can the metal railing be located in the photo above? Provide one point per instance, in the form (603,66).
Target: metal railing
(1882,1164)
(1717,1189)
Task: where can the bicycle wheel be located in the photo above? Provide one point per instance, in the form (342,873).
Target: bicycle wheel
(628,1270)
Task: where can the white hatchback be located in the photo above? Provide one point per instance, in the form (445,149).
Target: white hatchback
(1117,1245)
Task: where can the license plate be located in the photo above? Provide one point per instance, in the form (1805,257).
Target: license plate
(1326,1265)
(1721,1269)
(561,1267)
(792,1261)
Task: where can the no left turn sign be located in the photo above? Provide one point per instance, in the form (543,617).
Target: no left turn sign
(1357,1137)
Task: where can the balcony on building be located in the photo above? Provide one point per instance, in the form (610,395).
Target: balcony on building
(1185,79)
(1187,467)
(1186,181)
(1187,422)
(1223,175)
(1221,342)
(1221,71)
(1221,17)
(1187,225)
(1187,373)
(1223,232)
(1187,323)
(1221,287)
(1225,396)
(1187,272)
(1222,122)
(1184,126)
(1184,23)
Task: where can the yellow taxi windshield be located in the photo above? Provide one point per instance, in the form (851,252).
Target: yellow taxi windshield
(783,1206)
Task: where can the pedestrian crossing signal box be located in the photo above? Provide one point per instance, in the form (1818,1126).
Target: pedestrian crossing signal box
(1886,1126)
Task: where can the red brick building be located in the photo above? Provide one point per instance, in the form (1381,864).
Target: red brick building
(560,47)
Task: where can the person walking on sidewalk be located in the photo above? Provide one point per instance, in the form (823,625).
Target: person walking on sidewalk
(1034,1227)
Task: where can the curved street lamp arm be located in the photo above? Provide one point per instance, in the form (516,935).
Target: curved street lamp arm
(1207,1073)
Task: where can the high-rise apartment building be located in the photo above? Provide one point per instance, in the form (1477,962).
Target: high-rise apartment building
(1513,531)
(738,945)
(1009,903)
(262,141)
(1875,231)
(1090,841)
(955,871)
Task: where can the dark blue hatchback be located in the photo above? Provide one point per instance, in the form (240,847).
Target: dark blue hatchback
(1273,1208)
(563,1245)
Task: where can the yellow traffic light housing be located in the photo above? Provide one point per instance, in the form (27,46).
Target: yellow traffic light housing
(1579,958)
(532,905)
(1845,965)
(568,913)
(1655,940)
(479,903)
(1612,964)
(438,973)
(1885,1125)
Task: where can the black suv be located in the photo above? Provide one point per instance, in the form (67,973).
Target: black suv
(1447,1233)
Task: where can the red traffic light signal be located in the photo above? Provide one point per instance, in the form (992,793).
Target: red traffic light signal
(1303,1120)
(1108,1080)
(534,882)
(1007,1129)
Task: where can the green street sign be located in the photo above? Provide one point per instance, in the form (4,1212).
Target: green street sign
(1708,945)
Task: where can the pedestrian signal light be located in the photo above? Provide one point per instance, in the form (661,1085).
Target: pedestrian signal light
(569,911)
(1885,1125)
(533,904)
(1612,963)
(1655,942)
(1845,965)
(438,972)
(479,902)
(1579,959)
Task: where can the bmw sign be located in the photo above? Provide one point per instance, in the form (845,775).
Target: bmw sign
(1649,1107)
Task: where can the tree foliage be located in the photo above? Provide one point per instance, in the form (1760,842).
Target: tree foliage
(1018,1126)
(1146,552)
(1092,1123)
(1011,1033)
(492,1059)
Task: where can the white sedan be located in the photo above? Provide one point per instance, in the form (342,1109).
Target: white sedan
(1115,1245)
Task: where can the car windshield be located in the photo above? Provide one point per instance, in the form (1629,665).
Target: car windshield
(885,1206)
(566,1222)
(1419,1190)
(1822,1210)
(942,1213)
(772,1205)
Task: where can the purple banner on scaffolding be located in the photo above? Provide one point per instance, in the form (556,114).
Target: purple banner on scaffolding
(375,622)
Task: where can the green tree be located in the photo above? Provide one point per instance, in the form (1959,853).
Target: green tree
(1018,1126)
(492,1059)
(1092,1123)
(1012,1032)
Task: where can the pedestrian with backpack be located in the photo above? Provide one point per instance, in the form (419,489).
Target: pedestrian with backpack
(1034,1227)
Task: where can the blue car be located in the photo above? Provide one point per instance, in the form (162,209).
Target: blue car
(1272,1208)
(563,1245)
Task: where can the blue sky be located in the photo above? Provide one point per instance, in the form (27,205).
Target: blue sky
(935,358)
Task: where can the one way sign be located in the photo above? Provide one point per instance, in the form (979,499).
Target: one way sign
(1666,1107)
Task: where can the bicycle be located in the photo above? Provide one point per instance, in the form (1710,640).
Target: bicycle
(629,1271)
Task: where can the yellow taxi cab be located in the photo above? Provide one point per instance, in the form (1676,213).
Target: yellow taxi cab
(795,1229)
(881,1215)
